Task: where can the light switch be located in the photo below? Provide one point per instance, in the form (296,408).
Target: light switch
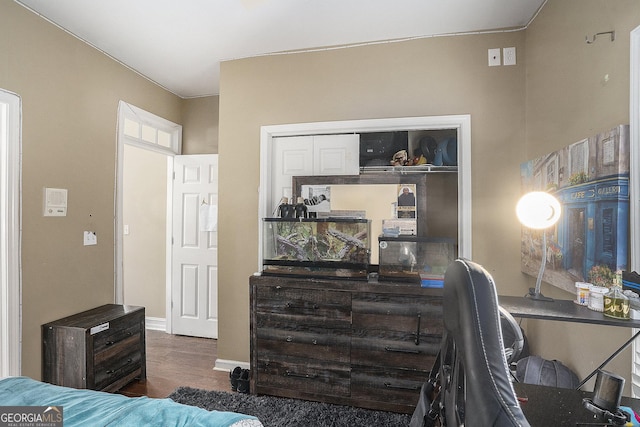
(90,238)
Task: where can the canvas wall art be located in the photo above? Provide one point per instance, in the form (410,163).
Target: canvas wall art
(590,178)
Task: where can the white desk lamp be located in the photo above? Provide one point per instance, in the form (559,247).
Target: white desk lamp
(539,210)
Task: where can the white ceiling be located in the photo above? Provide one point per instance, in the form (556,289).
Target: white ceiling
(179,44)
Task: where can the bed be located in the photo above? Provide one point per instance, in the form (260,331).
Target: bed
(95,408)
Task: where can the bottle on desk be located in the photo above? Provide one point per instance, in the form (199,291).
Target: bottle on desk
(616,304)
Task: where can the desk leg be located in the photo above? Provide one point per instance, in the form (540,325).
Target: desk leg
(609,359)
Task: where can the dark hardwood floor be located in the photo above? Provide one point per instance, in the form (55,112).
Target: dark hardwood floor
(176,360)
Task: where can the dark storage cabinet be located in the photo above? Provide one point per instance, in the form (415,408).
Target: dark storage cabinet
(348,342)
(99,349)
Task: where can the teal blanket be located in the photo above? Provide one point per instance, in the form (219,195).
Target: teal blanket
(94,408)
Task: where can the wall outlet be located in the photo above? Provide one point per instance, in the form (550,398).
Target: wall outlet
(509,55)
(90,238)
(494,57)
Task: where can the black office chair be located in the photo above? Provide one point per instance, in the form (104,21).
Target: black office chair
(471,373)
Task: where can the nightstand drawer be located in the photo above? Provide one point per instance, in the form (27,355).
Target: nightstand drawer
(115,363)
(119,330)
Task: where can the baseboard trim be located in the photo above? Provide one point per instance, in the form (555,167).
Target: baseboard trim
(228,365)
(156,323)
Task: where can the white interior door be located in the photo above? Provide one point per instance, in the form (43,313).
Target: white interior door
(194,281)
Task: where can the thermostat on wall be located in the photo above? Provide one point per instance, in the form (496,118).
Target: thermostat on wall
(55,202)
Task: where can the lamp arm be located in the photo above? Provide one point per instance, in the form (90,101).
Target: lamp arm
(543,261)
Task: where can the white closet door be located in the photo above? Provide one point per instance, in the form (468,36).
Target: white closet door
(292,156)
(336,154)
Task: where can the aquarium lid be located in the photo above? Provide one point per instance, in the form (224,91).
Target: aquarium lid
(318,220)
(408,238)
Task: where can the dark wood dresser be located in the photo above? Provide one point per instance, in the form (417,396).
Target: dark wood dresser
(347,342)
(99,349)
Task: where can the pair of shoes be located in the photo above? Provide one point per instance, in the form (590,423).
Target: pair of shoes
(234,376)
(243,381)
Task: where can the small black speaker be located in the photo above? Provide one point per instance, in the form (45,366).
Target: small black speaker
(608,390)
(606,398)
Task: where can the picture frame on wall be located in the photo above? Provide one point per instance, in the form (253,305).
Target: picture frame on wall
(590,178)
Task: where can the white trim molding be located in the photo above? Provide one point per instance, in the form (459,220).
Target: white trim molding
(152,124)
(228,365)
(10,234)
(155,324)
(634,186)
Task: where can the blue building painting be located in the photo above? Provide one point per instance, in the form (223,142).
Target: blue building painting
(591,180)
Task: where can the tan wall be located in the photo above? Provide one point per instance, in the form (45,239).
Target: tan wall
(576,90)
(145,214)
(435,76)
(200,125)
(70,95)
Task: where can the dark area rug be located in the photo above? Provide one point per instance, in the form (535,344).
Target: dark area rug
(283,412)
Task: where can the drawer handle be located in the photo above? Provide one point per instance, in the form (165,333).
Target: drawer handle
(290,305)
(296,375)
(401,387)
(113,371)
(289,339)
(108,343)
(401,350)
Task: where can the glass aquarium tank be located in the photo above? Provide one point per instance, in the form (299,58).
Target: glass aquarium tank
(323,247)
(416,259)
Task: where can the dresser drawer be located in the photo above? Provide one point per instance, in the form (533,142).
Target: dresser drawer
(405,355)
(398,386)
(331,345)
(396,330)
(397,304)
(118,330)
(117,361)
(304,376)
(293,301)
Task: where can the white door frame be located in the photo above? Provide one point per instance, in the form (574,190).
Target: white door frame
(128,110)
(634,182)
(10,234)
(460,122)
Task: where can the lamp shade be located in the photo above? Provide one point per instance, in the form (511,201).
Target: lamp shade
(538,210)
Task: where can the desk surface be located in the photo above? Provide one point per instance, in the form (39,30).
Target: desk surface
(563,310)
(550,406)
